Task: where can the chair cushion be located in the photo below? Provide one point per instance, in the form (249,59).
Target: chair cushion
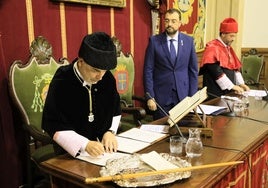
(43,153)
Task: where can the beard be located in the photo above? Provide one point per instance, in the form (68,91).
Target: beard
(228,43)
(170,30)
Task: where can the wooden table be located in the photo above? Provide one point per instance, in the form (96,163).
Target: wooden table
(234,138)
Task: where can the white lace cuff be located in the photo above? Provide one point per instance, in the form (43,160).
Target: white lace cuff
(225,83)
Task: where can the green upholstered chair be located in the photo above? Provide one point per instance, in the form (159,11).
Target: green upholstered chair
(28,86)
(124,73)
(252,64)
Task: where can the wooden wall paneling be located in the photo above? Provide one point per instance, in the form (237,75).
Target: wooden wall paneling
(200,77)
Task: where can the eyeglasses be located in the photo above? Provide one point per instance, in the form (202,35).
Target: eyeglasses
(173,21)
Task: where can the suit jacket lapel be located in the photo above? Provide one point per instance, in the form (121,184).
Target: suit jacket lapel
(180,44)
(165,47)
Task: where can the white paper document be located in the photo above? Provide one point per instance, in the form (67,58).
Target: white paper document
(156,161)
(155,128)
(230,98)
(142,135)
(130,146)
(210,109)
(101,160)
(135,139)
(254,93)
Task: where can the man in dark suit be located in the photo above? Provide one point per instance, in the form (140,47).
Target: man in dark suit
(170,71)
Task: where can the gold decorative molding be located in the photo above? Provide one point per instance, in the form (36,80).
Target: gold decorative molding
(113,3)
(30,23)
(63,30)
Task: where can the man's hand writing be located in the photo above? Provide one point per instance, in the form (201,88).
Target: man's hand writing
(95,148)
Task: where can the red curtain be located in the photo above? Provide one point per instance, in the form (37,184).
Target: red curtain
(47,22)
(10,160)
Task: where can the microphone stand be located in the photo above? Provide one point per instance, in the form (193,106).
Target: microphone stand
(176,125)
(228,114)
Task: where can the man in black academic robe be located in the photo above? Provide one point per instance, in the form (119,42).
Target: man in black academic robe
(82,108)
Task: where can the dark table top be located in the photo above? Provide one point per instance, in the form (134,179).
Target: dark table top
(233,138)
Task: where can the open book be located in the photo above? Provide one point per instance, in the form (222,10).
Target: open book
(186,106)
(135,139)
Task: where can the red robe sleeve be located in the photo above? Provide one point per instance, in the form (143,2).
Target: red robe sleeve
(215,51)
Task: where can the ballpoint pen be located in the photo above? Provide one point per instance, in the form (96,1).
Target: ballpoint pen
(98,140)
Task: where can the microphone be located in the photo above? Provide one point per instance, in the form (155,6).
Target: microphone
(176,125)
(230,113)
(265,98)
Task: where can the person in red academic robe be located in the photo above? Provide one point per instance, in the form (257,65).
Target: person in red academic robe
(220,66)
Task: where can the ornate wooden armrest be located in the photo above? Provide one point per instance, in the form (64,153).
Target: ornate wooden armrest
(137,112)
(42,137)
(139,98)
(143,100)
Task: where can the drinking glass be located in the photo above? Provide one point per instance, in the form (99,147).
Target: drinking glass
(175,145)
